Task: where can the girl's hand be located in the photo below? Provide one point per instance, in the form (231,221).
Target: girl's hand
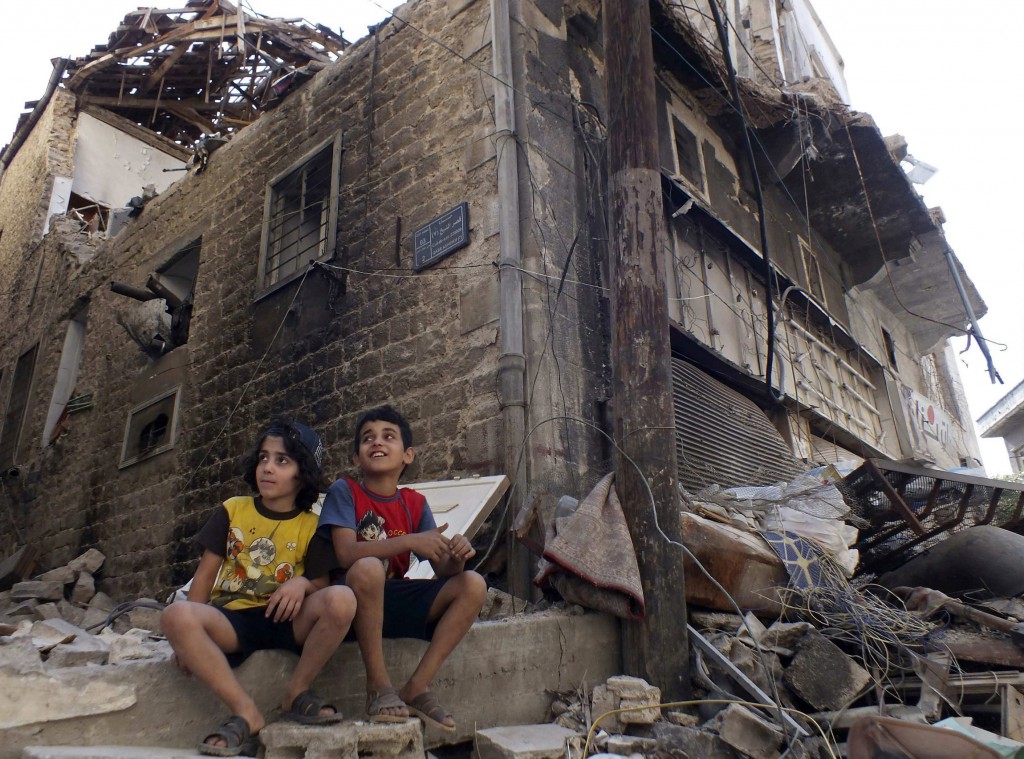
(286,601)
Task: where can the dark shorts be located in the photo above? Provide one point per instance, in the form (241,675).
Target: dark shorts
(406,607)
(256,632)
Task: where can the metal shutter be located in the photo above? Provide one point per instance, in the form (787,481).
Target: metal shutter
(722,438)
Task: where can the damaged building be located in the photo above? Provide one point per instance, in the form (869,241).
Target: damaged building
(216,217)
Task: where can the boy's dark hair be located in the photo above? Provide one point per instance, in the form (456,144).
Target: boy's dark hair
(383,414)
(297,442)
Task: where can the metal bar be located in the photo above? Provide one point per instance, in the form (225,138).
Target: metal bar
(894,498)
(745,682)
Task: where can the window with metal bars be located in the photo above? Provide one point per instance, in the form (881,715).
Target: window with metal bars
(300,216)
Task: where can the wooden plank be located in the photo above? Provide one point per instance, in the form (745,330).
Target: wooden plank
(1012,701)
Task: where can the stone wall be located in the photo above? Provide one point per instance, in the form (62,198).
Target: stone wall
(413,118)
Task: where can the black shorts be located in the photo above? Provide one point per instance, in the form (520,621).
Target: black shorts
(256,632)
(406,607)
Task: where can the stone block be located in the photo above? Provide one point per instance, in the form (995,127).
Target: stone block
(87,649)
(498,604)
(93,619)
(70,612)
(135,645)
(101,601)
(108,752)
(41,590)
(523,742)
(602,701)
(19,656)
(636,694)
(145,618)
(625,745)
(90,562)
(51,632)
(682,719)
(673,740)
(344,740)
(746,732)
(817,655)
(64,575)
(85,588)
(48,611)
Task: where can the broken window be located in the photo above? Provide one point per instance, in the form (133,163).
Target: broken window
(67,377)
(17,405)
(95,216)
(175,282)
(890,348)
(689,162)
(300,216)
(151,428)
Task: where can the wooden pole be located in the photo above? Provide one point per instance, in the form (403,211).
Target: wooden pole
(655,648)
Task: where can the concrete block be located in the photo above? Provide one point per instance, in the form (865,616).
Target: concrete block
(90,562)
(85,588)
(817,655)
(746,732)
(43,590)
(344,740)
(523,742)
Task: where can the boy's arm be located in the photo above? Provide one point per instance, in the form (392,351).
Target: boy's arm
(431,545)
(205,576)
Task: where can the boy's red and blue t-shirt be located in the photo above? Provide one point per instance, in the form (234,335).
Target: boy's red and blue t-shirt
(376,517)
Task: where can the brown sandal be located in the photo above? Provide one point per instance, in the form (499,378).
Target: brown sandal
(385,698)
(429,709)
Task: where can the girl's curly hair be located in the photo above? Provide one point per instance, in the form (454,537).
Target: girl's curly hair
(311,476)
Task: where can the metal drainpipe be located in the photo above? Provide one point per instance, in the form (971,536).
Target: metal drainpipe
(512,359)
(22,134)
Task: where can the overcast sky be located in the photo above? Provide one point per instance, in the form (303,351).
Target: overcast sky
(944,74)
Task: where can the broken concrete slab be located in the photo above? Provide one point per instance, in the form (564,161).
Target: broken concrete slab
(51,632)
(816,655)
(108,752)
(748,733)
(63,695)
(502,672)
(43,590)
(544,741)
(88,649)
(90,562)
(344,740)
(134,645)
(18,656)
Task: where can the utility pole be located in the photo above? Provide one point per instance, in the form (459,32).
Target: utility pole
(656,647)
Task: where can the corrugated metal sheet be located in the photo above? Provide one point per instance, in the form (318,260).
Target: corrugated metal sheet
(722,438)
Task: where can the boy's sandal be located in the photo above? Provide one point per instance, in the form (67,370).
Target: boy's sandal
(237,736)
(306,708)
(385,698)
(429,709)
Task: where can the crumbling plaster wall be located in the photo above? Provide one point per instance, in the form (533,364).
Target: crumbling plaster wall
(411,114)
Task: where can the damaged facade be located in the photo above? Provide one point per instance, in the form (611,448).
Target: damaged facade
(162,301)
(1006,420)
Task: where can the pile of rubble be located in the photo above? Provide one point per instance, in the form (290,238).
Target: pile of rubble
(59,618)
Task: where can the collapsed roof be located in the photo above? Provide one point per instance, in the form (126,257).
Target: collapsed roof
(206,67)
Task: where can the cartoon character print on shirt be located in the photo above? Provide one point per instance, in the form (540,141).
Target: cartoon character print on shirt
(255,573)
(371,527)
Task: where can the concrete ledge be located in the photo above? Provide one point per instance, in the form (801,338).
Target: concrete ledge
(500,675)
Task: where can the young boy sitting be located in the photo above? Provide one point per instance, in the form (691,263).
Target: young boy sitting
(250,592)
(374,526)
